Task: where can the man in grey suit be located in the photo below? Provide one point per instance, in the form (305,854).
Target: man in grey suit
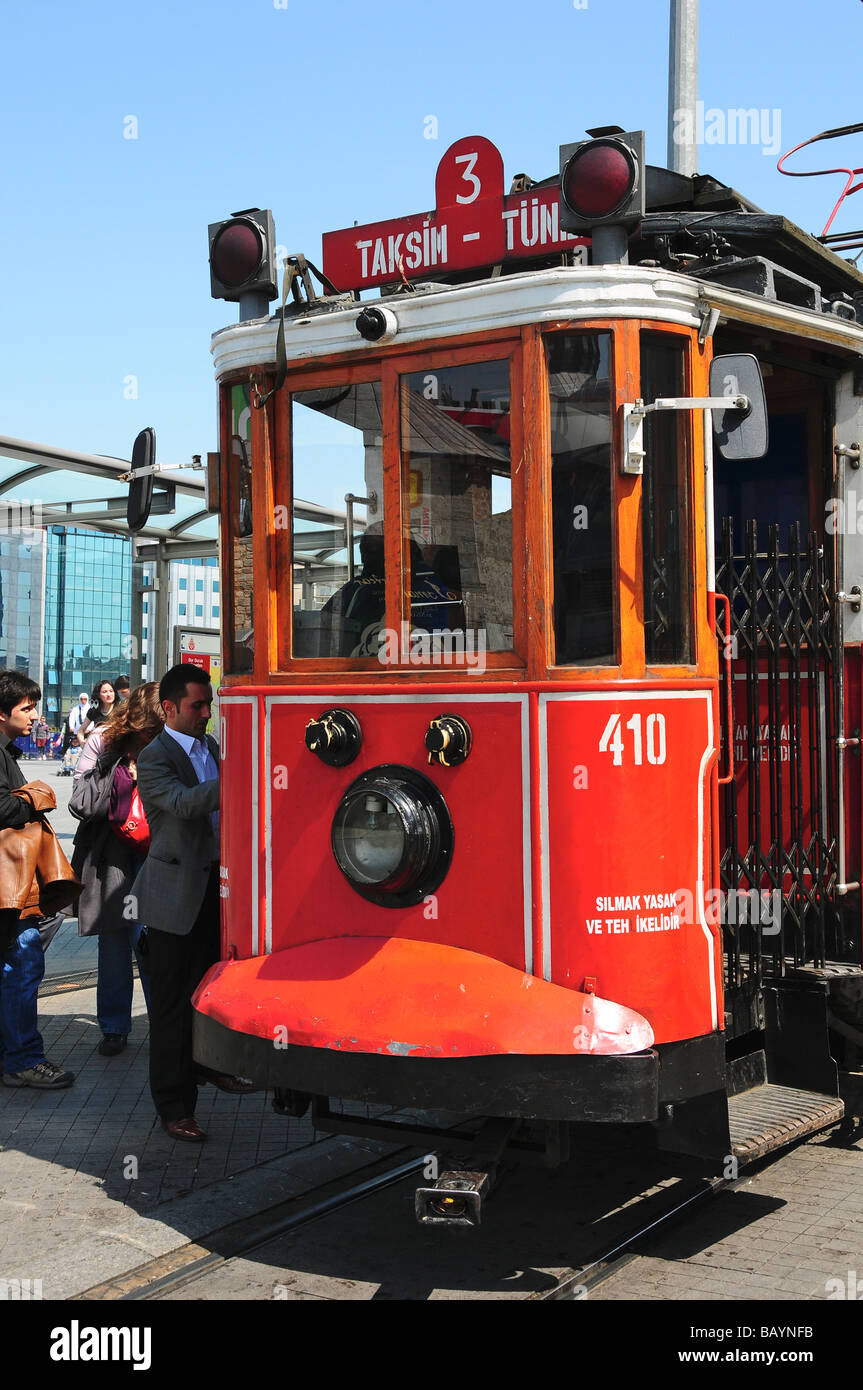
(177,891)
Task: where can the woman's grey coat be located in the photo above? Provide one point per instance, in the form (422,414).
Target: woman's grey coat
(106,866)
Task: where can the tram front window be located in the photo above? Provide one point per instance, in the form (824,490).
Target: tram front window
(457,505)
(579,377)
(666,506)
(337,521)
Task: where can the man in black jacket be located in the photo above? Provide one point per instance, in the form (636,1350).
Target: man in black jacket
(22,960)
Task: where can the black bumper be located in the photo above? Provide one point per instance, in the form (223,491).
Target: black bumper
(591,1089)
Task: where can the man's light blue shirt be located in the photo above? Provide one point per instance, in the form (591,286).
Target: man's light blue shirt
(206,769)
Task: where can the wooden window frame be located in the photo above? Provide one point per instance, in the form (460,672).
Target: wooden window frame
(273,500)
(530,452)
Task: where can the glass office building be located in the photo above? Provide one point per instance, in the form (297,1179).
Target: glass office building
(22,579)
(88,608)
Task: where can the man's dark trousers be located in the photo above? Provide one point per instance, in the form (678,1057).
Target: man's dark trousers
(177,964)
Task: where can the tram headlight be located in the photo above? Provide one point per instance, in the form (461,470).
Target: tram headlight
(377,325)
(392,836)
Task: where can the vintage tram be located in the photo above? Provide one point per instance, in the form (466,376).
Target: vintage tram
(540,727)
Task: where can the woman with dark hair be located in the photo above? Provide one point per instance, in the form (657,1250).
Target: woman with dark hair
(100,709)
(110,846)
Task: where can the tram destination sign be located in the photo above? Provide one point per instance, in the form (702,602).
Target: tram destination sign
(474,224)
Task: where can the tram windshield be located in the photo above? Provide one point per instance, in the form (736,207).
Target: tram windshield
(579,374)
(666,508)
(338,542)
(456,510)
(457,502)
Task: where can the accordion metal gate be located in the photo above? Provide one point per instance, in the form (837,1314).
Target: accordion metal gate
(780,819)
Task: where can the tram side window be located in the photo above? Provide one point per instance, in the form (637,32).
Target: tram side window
(666,507)
(579,374)
(458,503)
(337,521)
(241,616)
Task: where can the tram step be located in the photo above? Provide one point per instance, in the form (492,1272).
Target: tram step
(768,1117)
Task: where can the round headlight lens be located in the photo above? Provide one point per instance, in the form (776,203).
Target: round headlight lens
(392,836)
(369,839)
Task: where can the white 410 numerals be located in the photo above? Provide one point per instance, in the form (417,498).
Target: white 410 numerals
(651,742)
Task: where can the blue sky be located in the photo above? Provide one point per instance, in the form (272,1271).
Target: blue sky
(318,111)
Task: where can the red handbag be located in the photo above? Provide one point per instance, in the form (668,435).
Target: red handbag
(126,815)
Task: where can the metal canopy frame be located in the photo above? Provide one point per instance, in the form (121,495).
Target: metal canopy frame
(44,458)
(152,544)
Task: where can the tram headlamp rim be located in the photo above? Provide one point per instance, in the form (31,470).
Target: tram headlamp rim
(427,835)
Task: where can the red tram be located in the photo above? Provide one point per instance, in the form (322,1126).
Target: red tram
(541,786)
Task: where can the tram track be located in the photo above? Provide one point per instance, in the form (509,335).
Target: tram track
(162,1277)
(579,1282)
(66,982)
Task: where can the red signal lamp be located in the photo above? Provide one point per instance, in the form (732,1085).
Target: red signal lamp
(242,255)
(236,253)
(602,181)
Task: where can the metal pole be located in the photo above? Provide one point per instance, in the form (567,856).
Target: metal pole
(162,615)
(842,741)
(135,671)
(610,245)
(683,86)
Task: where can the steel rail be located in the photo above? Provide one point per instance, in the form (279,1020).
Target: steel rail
(161,1276)
(577,1283)
(67,981)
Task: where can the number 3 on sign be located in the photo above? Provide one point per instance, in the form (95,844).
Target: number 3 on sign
(469,161)
(653,742)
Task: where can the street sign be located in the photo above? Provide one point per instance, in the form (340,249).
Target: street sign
(474,224)
(199,646)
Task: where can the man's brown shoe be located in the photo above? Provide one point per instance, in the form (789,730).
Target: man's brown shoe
(234,1085)
(187,1129)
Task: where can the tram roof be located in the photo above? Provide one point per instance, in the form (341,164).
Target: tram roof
(699,239)
(567,293)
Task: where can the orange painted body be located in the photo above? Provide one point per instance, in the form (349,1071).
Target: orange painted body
(412,999)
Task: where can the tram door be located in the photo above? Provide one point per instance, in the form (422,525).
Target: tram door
(774,561)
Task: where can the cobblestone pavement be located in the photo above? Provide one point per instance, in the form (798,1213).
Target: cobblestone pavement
(785,1234)
(79,1166)
(70,952)
(91,1187)
(89,1182)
